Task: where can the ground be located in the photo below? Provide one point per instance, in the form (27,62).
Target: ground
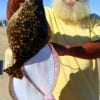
(4,92)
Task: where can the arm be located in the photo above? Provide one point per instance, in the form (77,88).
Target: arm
(12,6)
(88,50)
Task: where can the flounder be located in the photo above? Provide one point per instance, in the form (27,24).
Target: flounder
(27,33)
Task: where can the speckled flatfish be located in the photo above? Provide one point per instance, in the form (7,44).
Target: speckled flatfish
(27,33)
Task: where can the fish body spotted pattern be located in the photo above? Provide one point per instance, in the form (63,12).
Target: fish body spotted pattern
(27,34)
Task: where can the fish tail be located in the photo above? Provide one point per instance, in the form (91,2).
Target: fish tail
(14,71)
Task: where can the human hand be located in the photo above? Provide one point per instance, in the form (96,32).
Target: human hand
(12,6)
(61,49)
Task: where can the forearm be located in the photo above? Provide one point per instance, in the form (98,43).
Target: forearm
(87,51)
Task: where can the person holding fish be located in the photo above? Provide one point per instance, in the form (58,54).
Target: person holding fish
(75,37)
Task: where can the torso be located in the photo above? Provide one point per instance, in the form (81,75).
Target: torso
(78,78)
